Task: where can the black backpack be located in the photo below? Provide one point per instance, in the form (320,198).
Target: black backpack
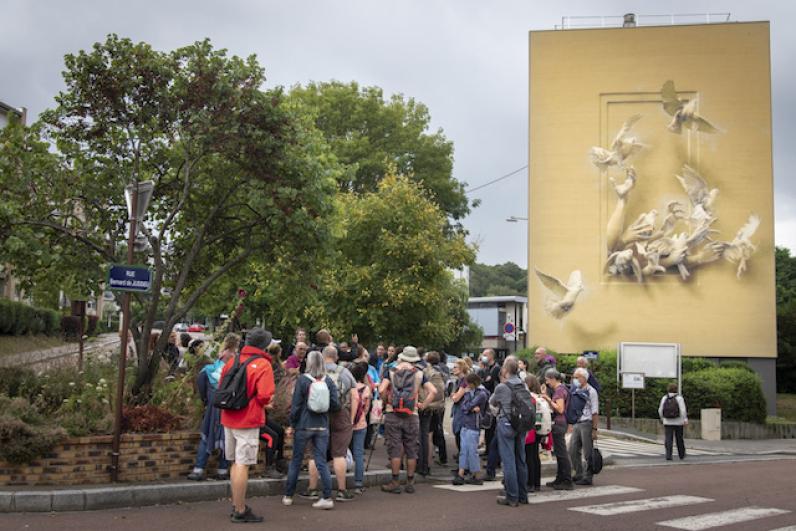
(671,408)
(523,409)
(231,392)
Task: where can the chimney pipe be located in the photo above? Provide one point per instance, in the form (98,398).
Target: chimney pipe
(630,20)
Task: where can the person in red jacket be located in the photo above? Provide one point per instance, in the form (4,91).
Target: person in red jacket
(242,427)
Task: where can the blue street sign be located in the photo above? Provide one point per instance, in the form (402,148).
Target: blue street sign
(591,354)
(137,279)
(508,328)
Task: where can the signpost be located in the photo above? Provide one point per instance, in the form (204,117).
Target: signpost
(632,381)
(131,278)
(509,331)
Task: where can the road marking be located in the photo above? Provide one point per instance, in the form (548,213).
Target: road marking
(623,448)
(734,516)
(789,528)
(589,492)
(488,485)
(632,506)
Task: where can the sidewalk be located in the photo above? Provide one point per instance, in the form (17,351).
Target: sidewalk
(739,446)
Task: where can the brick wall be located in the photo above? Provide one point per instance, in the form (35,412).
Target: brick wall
(86,460)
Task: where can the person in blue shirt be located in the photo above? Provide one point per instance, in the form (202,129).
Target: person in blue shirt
(472,407)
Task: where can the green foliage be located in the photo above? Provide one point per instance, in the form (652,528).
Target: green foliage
(19,318)
(24,433)
(504,279)
(390,279)
(87,409)
(786,320)
(737,391)
(149,418)
(373,137)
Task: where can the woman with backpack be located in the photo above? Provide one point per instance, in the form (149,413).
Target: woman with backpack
(314,397)
(473,405)
(674,417)
(360,405)
(558,404)
(535,436)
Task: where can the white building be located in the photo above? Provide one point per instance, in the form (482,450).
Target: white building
(503,320)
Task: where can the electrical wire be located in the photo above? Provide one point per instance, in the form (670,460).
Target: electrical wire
(493,181)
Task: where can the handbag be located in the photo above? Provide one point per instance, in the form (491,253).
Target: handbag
(596,460)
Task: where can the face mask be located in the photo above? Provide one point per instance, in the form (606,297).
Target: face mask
(484,359)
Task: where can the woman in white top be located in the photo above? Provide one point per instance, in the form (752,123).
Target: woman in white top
(674,416)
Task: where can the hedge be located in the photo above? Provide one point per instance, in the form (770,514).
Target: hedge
(18,318)
(733,387)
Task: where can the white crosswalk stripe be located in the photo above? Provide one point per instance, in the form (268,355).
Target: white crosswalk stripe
(624,448)
(788,528)
(633,506)
(734,516)
(577,494)
(488,485)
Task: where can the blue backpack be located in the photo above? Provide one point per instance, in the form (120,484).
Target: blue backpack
(577,401)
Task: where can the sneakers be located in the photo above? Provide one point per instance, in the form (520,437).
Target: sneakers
(324,504)
(196,476)
(359,491)
(472,480)
(287,501)
(273,473)
(564,485)
(222,477)
(246,517)
(583,481)
(502,500)
(458,480)
(410,488)
(393,487)
(551,483)
(343,496)
(490,475)
(309,495)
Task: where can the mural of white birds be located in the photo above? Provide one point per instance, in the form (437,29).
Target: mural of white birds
(683,112)
(624,263)
(653,266)
(622,147)
(563,296)
(673,252)
(741,248)
(700,194)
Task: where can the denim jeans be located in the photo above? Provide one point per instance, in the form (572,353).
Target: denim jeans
(468,456)
(563,464)
(320,442)
(202,456)
(511,446)
(492,456)
(358,451)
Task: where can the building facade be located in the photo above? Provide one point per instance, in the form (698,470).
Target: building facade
(502,320)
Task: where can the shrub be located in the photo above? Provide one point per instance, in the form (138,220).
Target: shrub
(149,418)
(24,435)
(18,318)
(19,382)
(87,410)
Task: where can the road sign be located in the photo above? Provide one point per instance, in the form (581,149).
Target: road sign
(591,354)
(137,279)
(508,328)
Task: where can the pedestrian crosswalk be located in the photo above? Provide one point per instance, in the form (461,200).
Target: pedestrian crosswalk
(709,519)
(625,448)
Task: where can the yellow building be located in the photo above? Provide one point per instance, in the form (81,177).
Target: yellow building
(584,85)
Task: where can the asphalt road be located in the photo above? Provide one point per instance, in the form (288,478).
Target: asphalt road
(655,494)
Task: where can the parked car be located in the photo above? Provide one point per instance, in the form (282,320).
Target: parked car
(196,327)
(180,327)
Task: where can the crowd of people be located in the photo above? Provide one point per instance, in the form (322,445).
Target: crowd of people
(334,400)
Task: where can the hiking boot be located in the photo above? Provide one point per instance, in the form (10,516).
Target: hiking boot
(474,481)
(552,483)
(490,476)
(196,476)
(246,517)
(502,500)
(393,487)
(323,503)
(583,481)
(343,496)
(223,476)
(287,501)
(564,485)
(309,494)
(458,480)
(577,478)
(410,488)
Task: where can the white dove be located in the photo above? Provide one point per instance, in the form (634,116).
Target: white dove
(683,112)
(741,248)
(621,148)
(563,296)
(672,252)
(653,265)
(700,194)
(624,263)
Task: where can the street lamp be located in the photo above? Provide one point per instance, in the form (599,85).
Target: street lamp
(515,219)
(137,197)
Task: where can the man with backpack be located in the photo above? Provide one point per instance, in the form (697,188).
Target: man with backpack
(245,388)
(429,415)
(401,388)
(582,415)
(516,414)
(341,429)
(674,417)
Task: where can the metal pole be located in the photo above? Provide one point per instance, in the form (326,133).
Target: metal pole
(633,404)
(80,346)
(117,420)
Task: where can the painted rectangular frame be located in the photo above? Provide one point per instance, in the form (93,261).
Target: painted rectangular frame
(649,358)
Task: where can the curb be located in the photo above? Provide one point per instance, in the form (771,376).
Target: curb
(93,498)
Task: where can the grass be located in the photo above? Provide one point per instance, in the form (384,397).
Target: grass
(17,344)
(786,406)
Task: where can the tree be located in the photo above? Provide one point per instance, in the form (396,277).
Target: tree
(239,173)
(786,320)
(504,279)
(370,136)
(391,277)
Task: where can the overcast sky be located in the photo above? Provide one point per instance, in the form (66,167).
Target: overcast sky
(466,60)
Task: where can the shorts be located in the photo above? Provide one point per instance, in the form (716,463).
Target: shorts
(241,445)
(402,433)
(340,432)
